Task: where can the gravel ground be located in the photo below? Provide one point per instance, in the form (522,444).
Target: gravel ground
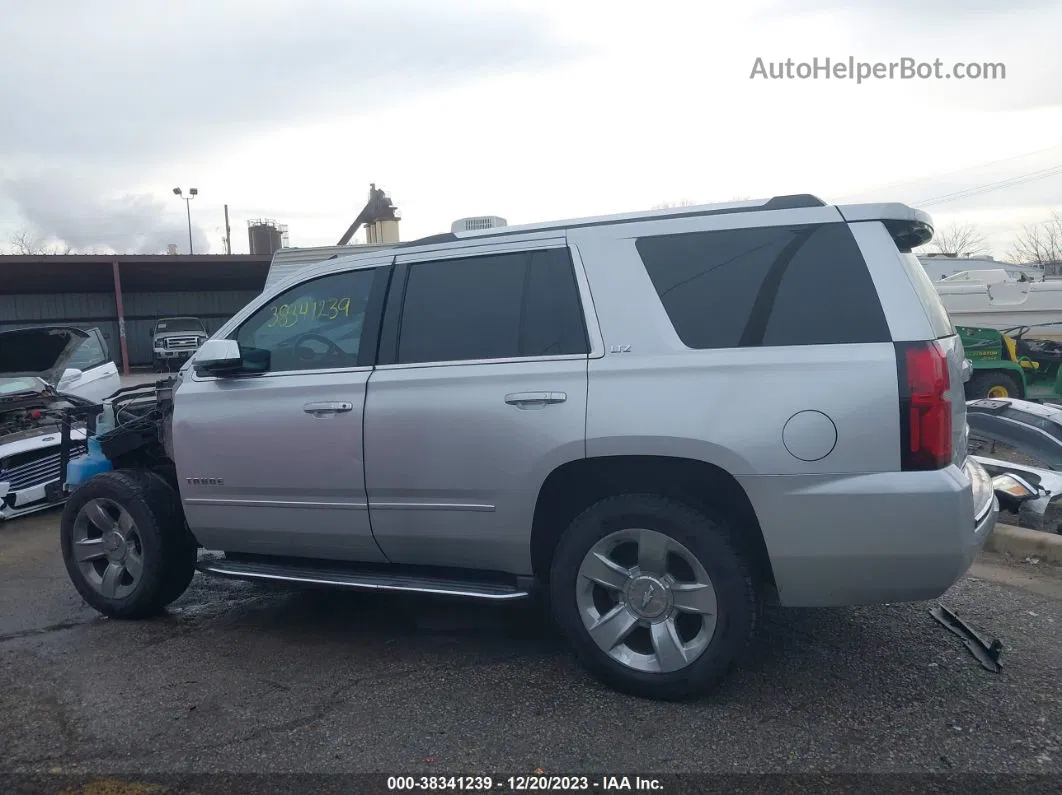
(240,678)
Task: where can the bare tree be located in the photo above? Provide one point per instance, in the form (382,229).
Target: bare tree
(693,203)
(670,205)
(24,243)
(1040,243)
(959,239)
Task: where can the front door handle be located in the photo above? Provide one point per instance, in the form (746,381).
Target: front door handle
(327,407)
(534,400)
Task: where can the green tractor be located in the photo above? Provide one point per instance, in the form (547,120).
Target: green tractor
(1009,363)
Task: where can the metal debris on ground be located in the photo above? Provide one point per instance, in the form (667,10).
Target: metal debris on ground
(987,652)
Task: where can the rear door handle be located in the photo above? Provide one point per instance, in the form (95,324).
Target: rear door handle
(534,400)
(327,407)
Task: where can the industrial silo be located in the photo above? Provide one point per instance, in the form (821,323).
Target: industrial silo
(265,236)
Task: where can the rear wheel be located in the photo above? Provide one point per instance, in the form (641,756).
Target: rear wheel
(125,545)
(653,596)
(993,384)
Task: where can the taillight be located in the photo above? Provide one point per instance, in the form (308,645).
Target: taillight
(925,411)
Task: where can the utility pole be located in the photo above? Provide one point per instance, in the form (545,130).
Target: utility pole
(192,193)
(228,232)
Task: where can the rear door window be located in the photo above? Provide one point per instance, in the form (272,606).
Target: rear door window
(775,286)
(493,306)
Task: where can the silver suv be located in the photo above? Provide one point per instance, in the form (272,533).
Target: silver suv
(659,420)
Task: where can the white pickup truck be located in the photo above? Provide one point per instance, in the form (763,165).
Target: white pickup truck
(174,339)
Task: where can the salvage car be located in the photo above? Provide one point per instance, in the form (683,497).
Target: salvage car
(1033,491)
(659,421)
(37,384)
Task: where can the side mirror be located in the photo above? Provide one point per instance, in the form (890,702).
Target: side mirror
(69,374)
(217,357)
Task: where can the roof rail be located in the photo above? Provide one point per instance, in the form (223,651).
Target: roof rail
(442,237)
(795,201)
(785,202)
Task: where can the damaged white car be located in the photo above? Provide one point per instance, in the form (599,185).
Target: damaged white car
(42,372)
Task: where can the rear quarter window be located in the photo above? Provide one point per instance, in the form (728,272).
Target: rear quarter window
(773,286)
(938,316)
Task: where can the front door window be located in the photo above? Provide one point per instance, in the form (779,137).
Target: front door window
(316,325)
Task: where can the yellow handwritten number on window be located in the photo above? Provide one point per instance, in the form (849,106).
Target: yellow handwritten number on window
(287,315)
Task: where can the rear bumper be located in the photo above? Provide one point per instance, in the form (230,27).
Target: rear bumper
(839,540)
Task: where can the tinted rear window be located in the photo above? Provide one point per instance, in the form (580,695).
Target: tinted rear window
(779,285)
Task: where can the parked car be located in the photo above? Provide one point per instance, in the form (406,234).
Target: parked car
(658,420)
(42,372)
(90,373)
(174,340)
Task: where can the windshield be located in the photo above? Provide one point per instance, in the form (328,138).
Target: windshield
(12,386)
(179,324)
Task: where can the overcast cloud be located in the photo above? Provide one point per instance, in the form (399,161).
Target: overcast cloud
(120,79)
(953,13)
(106,88)
(1021,35)
(71,210)
(530,109)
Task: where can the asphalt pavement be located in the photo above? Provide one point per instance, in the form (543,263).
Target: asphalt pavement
(244,678)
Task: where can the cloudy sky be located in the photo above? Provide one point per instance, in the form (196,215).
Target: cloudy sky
(288,109)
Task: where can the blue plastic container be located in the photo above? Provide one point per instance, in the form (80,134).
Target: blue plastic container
(80,469)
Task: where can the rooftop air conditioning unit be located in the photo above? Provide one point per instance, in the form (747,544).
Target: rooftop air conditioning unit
(477,223)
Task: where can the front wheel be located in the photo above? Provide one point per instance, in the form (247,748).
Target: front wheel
(653,596)
(125,545)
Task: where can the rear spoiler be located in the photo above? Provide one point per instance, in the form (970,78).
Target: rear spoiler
(908,227)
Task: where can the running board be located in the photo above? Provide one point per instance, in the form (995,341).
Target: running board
(361,580)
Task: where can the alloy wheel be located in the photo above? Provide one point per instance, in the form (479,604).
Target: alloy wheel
(646,600)
(107,548)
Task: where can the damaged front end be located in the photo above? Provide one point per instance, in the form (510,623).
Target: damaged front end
(1033,494)
(1032,491)
(131,432)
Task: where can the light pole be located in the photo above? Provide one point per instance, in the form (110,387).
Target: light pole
(192,193)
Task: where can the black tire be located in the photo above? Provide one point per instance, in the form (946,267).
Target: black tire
(714,545)
(981,384)
(168,550)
